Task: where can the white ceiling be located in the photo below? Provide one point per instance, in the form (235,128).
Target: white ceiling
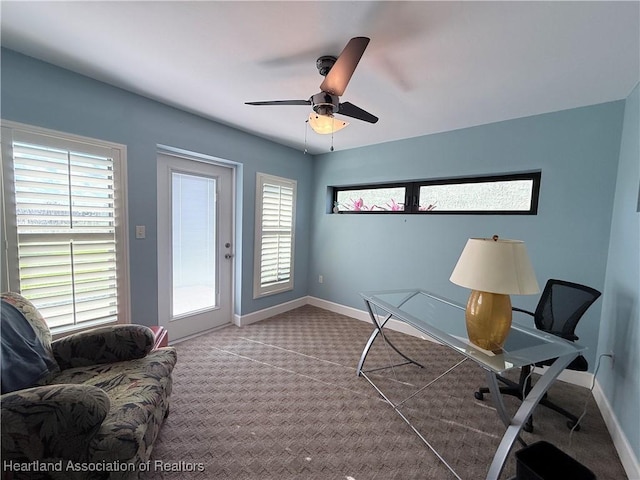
(430,66)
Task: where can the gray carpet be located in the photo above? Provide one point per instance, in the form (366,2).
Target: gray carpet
(280,399)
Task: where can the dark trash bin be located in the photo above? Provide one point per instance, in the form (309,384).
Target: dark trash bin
(544,461)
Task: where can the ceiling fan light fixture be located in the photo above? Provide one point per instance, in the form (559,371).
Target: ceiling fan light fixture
(325,124)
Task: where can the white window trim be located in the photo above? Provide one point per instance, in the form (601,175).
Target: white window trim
(259,290)
(10,271)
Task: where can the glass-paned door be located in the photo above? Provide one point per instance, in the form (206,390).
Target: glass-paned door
(194,245)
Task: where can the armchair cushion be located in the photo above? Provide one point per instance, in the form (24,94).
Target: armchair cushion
(51,421)
(25,360)
(116,343)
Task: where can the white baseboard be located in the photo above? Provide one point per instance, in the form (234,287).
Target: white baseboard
(583,379)
(341,309)
(364,316)
(620,442)
(242,320)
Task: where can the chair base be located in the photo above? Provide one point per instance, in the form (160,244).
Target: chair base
(524,387)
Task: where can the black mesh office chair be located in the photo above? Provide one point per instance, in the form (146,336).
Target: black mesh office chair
(559,309)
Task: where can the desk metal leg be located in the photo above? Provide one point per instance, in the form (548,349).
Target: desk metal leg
(494,389)
(415,430)
(374,334)
(363,356)
(523,413)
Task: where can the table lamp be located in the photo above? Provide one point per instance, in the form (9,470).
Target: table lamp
(493,268)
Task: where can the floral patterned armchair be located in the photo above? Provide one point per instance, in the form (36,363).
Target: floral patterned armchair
(87,406)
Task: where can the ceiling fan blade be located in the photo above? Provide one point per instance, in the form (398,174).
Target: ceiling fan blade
(350,110)
(338,77)
(281,102)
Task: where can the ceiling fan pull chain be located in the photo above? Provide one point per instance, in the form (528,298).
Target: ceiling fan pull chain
(306,128)
(333,121)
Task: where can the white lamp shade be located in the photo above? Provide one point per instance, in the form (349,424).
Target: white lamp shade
(496,266)
(325,124)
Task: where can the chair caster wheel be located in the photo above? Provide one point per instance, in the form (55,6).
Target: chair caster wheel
(571,424)
(478,395)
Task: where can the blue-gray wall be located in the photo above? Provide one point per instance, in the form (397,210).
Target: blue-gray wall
(576,150)
(620,324)
(43,95)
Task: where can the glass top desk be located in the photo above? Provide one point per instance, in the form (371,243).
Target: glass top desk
(443,321)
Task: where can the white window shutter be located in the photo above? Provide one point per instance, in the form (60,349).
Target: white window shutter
(275,214)
(66,232)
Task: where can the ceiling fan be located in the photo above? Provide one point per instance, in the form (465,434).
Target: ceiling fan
(337,73)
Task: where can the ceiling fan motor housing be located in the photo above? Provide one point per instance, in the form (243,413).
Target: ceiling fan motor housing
(325,104)
(324,64)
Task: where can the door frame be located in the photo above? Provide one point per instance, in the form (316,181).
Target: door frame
(179,155)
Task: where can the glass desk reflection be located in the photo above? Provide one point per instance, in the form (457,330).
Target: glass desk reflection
(443,321)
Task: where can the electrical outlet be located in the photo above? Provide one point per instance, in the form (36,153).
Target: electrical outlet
(611,356)
(320,279)
(141,231)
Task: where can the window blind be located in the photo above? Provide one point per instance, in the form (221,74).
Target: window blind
(65,214)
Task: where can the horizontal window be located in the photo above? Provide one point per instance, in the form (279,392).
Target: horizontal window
(515,194)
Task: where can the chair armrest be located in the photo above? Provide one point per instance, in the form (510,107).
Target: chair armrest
(115,343)
(570,337)
(516,309)
(51,421)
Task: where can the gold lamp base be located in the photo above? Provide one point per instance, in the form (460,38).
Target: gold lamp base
(488,317)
